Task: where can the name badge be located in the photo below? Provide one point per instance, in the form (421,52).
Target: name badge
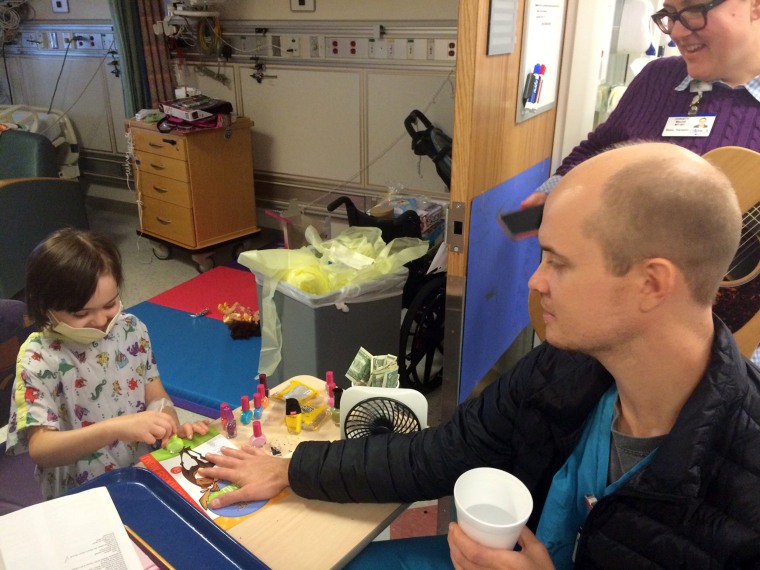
(689,126)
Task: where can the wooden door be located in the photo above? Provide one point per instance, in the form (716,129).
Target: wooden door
(496,162)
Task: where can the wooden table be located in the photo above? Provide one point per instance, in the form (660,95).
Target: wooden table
(295,532)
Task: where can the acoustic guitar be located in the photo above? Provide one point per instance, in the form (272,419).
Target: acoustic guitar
(738,299)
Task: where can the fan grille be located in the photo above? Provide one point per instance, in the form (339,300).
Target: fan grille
(379,415)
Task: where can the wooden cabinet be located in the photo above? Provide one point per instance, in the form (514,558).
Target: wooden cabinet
(195,190)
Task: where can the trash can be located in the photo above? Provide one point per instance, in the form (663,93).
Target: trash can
(318,339)
(318,305)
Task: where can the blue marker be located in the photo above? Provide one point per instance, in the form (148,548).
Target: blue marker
(536,79)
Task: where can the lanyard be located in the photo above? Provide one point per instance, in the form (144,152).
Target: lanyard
(698,88)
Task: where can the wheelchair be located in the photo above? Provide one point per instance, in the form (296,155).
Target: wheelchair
(420,353)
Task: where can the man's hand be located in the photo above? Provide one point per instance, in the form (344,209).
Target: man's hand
(258,474)
(467,554)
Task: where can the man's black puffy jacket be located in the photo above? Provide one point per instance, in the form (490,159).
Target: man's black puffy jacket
(695,505)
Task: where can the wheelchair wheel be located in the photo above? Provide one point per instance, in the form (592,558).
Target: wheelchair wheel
(421,337)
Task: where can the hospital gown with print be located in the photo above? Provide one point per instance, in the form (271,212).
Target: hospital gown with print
(65,385)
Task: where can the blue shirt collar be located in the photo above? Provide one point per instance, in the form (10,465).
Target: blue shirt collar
(753,85)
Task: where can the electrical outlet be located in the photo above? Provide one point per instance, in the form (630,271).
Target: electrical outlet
(67,39)
(302,5)
(60,5)
(445,50)
(354,48)
(291,46)
(87,41)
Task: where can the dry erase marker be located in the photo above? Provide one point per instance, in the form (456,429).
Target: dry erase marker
(540,82)
(528,89)
(534,85)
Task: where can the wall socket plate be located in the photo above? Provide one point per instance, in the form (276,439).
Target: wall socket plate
(60,5)
(303,5)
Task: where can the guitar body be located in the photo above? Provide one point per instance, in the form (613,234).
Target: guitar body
(738,301)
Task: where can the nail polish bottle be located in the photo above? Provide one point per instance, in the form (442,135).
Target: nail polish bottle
(246,415)
(335,409)
(329,383)
(257,407)
(263,380)
(293,418)
(258,439)
(228,420)
(263,395)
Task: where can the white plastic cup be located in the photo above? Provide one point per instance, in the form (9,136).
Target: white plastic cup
(492,506)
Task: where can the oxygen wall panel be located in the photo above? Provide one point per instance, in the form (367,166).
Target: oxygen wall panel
(391,96)
(306,121)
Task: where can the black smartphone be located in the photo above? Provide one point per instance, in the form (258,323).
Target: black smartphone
(522,223)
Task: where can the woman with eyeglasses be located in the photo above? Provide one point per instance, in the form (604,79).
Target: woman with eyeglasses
(716,78)
(714,83)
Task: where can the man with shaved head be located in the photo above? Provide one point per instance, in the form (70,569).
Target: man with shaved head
(636,425)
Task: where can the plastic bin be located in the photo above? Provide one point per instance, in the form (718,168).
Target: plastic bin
(315,340)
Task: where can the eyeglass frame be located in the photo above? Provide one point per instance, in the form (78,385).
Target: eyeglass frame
(703,9)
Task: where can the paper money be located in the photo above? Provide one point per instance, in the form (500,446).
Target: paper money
(373,370)
(360,368)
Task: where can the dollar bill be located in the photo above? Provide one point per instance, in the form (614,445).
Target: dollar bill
(373,370)
(359,371)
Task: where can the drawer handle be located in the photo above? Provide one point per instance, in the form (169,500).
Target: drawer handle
(159,189)
(163,220)
(167,141)
(157,166)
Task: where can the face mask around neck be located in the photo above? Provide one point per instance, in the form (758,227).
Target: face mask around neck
(85,335)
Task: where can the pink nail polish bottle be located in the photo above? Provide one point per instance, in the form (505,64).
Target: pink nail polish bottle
(258,439)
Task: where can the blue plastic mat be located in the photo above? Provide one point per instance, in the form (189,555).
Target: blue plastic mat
(198,360)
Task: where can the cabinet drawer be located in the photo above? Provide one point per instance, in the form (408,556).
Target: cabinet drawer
(171,146)
(157,164)
(169,221)
(167,189)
